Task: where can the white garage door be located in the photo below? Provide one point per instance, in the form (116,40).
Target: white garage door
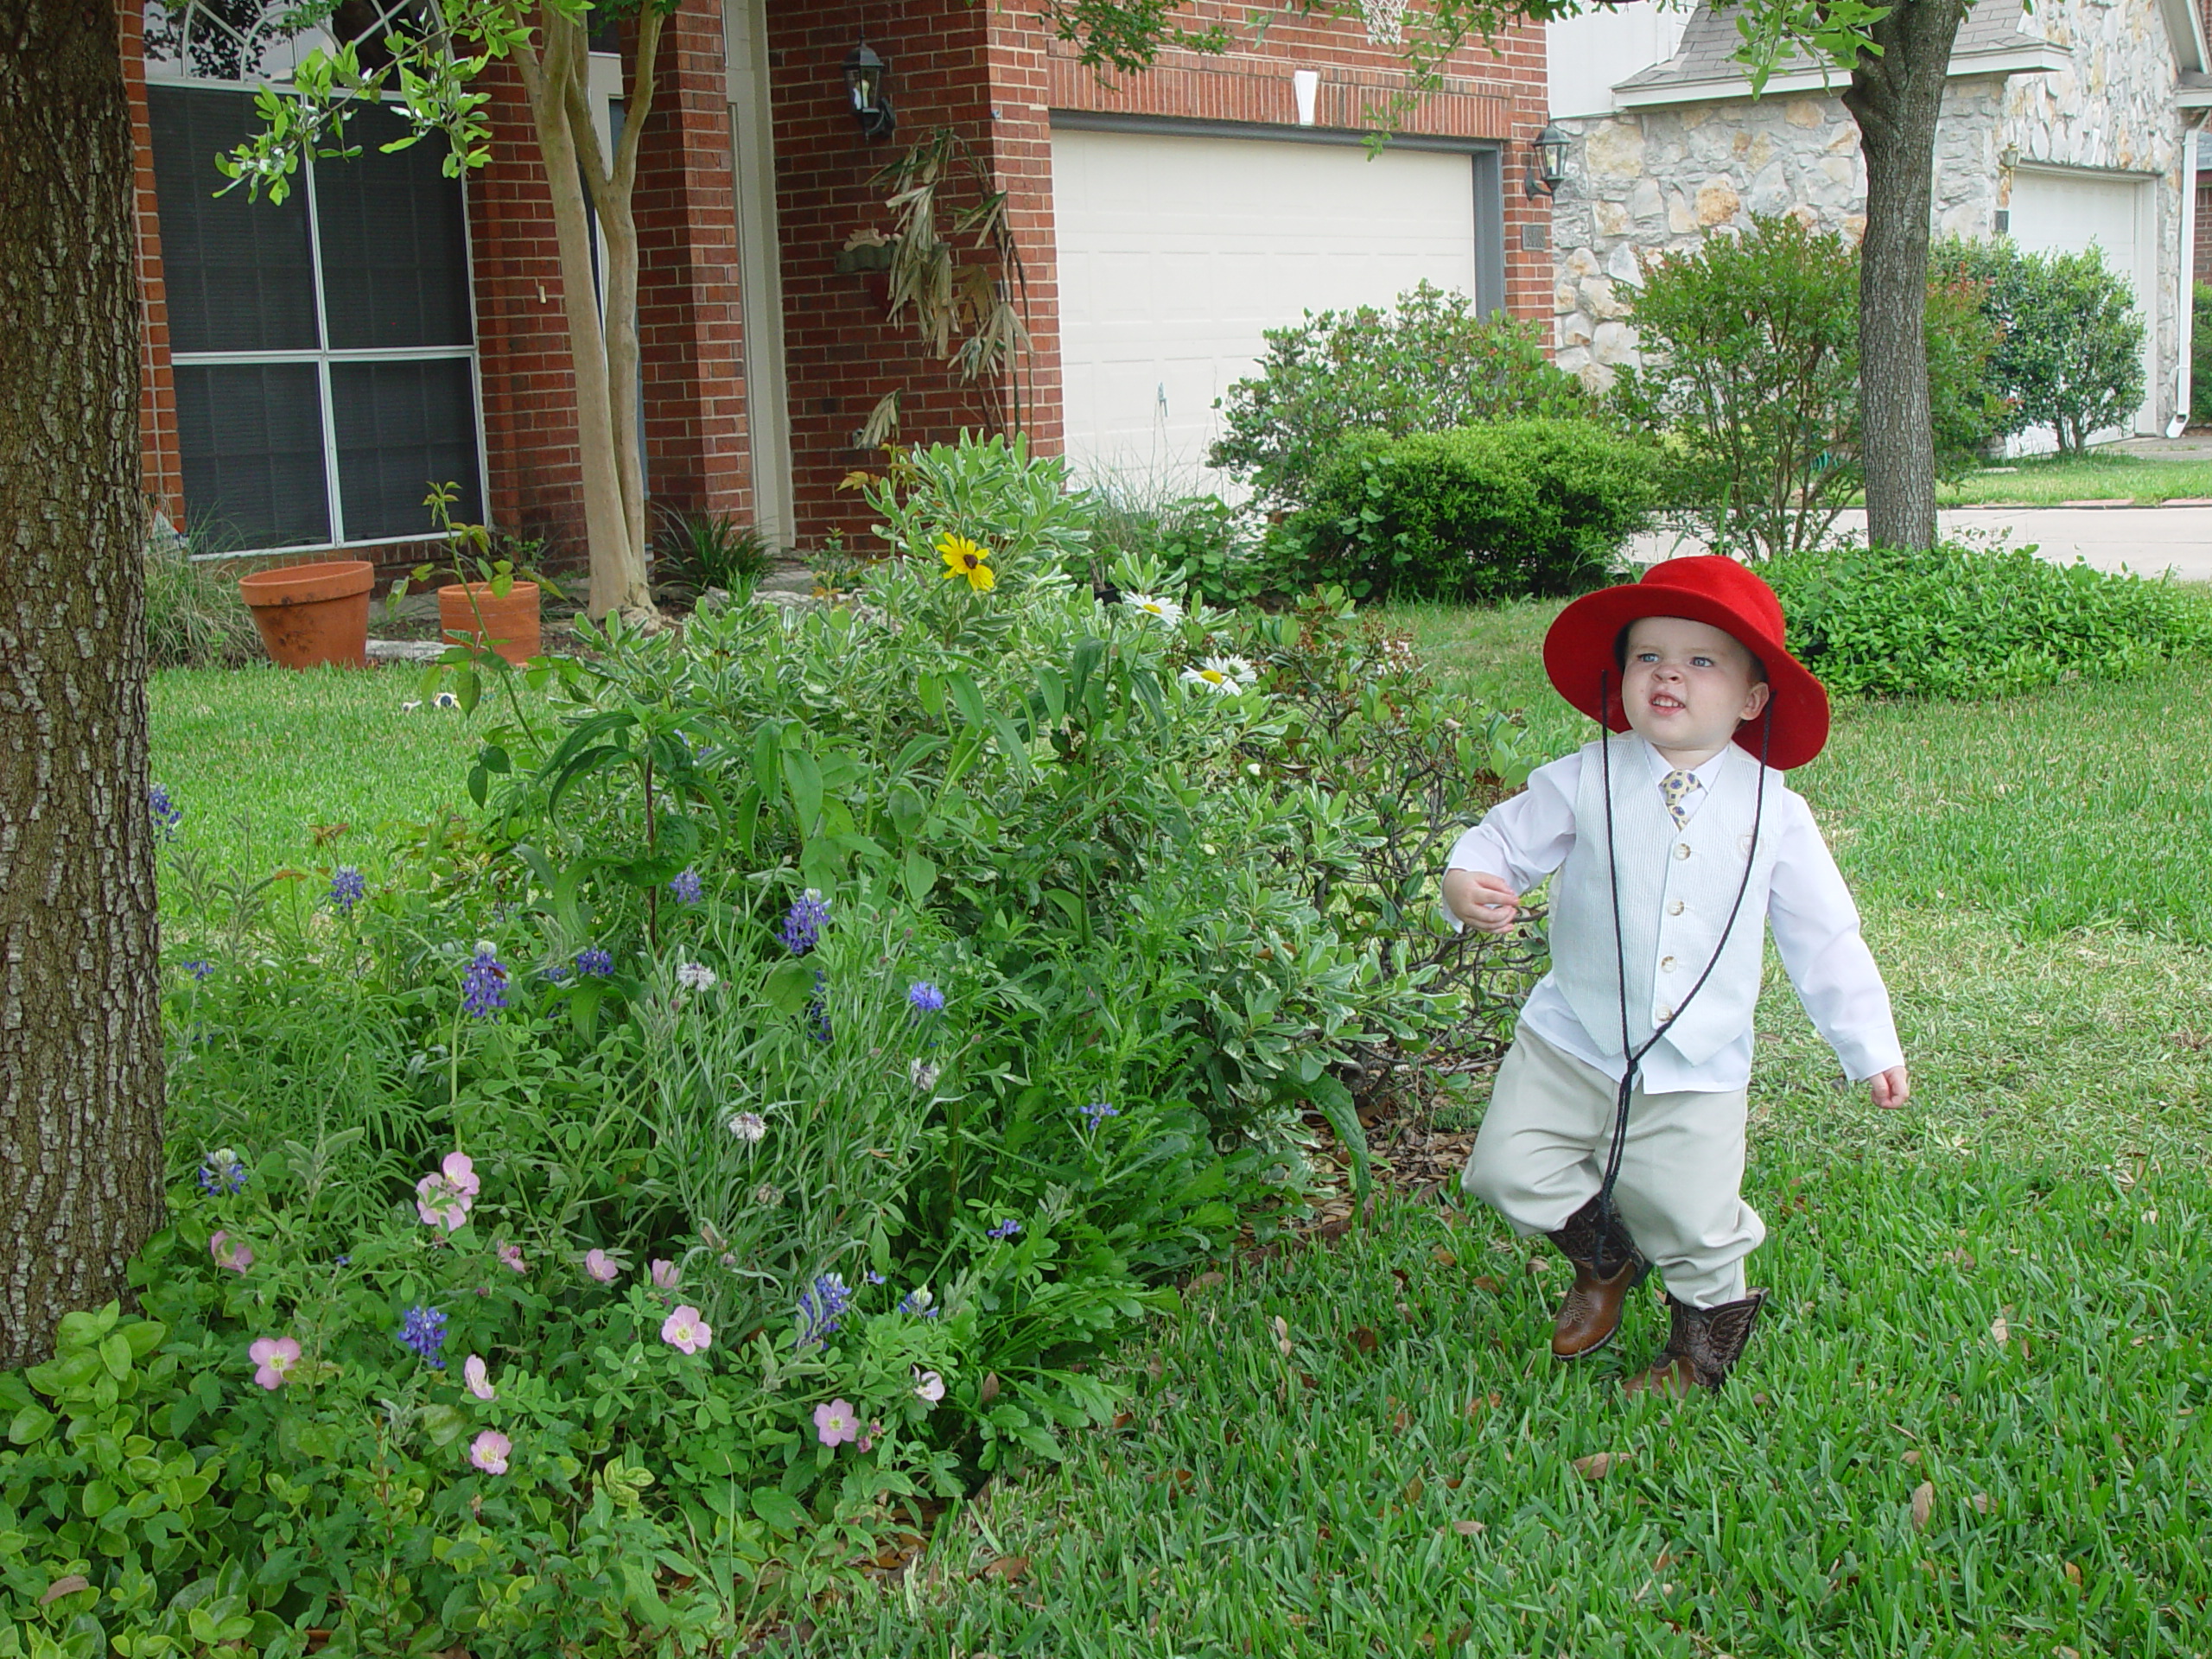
(1176,251)
(2065,213)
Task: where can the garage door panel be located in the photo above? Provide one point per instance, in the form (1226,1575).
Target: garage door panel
(1178,252)
(2068,212)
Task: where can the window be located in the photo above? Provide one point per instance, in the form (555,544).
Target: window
(323,350)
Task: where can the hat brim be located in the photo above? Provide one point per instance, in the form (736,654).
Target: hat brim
(1579,658)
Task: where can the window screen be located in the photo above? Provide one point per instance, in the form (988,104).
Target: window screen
(351,297)
(401,427)
(253,452)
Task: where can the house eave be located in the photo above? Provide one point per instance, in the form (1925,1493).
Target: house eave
(2031,57)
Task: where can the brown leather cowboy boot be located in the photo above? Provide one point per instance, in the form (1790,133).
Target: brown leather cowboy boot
(1592,1312)
(1702,1345)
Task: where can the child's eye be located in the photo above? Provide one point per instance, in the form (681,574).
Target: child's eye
(1647,656)
(1700,662)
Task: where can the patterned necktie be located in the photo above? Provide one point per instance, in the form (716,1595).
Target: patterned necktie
(1673,789)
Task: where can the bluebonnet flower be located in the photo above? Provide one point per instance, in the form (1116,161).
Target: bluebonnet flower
(803,923)
(423,1329)
(166,812)
(919,1304)
(222,1173)
(595,961)
(686,887)
(821,1309)
(874,1278)
(484,987)
(924,998)
(818,1011)
(558,972)
(1005,1228)
(1098,1111)
(347,886)
(197,968)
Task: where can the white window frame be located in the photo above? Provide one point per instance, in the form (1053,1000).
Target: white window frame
(323,357)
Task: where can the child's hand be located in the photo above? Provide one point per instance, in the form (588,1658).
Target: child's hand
(1483,902)
(1891,1089)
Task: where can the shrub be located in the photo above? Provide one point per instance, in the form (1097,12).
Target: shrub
(902,989)
(1522,508)
(697,551)
(1963,622)
(2200,354)
(2069,347)
(1428,364)
(195,618)
(1751,370)
(1222,555)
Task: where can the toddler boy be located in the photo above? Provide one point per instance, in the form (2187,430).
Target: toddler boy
(1673,844)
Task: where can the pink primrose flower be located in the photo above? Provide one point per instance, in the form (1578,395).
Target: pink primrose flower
(601,1265)
(444,1200)
(511,1255)
(488,1452)
(237,1257)
(929,1387)
(685,1331)
(664,1275)
(834,1423)
(274,1357)
(868,1440)
(478,1376)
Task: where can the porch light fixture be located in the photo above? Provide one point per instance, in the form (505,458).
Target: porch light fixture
(865,76)
(1547,161)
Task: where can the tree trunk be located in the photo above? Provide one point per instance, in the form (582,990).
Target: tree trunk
(617,561)
(1895,98)
(80,1036)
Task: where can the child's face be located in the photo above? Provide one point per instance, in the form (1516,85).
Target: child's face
(1687,686)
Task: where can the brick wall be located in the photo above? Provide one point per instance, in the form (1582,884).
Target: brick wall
(161,474)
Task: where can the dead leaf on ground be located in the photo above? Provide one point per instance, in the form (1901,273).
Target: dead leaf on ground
(990,1391)
(1598,1464)
(1414,1488)
(1481,1403)
(1208,1281)
(1364,1339)
(1489,1286)
(1282,1336)
(2073,1573)
(65,1586)
(1999,1333)
(1012,1568)
(1443,1258)
(1923,1504)
(1912,1456)
(1123,1419)
(1983,1503)
(1470,1528)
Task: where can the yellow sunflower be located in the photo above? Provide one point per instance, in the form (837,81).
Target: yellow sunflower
(965,558)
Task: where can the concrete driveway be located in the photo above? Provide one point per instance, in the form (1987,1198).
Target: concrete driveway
(2150,541)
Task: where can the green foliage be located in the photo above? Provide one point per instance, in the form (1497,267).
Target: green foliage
(195,618)
(1428,364)
(1485,512)
(1963,622)
(909,987)
(1215,547)
(1750,372)
(697,551)
(2069,347)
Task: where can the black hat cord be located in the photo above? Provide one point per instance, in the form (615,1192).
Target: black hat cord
(1608,1223)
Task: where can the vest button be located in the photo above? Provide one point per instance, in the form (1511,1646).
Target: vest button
(1676,908)
(1666,964)
(1682,849)
(1661,1016)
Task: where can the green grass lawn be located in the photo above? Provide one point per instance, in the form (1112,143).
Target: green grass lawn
(261,759)
(1976,1421)
(2100,476)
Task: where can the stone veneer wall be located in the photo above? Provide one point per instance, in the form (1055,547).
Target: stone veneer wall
(1659,181)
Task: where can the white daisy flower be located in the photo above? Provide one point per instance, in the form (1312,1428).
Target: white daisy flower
(446,700)
(922,1075)
(748,1127)
(697,977)
(1227,675)
(1152,605)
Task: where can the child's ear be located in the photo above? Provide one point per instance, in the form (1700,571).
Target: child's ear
(1756,699)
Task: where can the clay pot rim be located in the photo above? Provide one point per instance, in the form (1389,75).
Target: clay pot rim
(306,584)
(483,590)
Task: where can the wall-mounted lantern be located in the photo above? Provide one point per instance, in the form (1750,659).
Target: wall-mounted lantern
(867,77)
(1547,161)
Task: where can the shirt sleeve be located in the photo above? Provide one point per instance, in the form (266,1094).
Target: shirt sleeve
(1523,839)
(1816,929)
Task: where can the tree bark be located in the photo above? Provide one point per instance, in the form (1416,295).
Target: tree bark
(1895,98)
(81,1037)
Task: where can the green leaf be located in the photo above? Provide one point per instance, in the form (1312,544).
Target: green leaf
(1334,1101)
(921,876)
(30,1424)
(789,987)
(780,1510)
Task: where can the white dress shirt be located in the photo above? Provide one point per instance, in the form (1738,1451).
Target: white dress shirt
(1815,926)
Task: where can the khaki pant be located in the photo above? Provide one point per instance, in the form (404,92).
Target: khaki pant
(1541,1156)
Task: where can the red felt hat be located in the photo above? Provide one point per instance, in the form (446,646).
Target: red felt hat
(1578,651)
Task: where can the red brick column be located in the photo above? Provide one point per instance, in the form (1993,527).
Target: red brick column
(689,326)
(162,480)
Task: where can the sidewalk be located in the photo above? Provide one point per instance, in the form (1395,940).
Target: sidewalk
(2149,541)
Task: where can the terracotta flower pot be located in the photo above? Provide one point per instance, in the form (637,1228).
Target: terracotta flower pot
(510,620)
(310,614)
